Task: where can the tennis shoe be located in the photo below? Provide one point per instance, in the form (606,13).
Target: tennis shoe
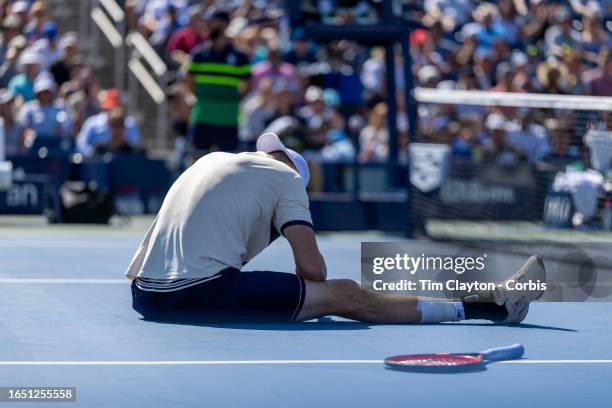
(516,301)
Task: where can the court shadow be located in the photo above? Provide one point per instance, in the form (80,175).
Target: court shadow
(301,326)
(454,371)
(518,326)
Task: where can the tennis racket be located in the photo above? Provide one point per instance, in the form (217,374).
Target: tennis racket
(456,362)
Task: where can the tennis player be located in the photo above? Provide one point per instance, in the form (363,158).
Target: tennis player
(227,208)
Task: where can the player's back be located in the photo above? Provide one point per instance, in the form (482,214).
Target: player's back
(218,213)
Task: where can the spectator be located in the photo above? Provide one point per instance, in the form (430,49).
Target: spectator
(218,72)
(428,76)
(601,79)
(185,39)
(96,130)
(69,49)
(442,44)
(11,28)
(156,11)
(47,47)
(20,9)
(501,51)
(117,142)
(284,100)
(181,101)
(82,92)
(593,39)
(576,67)
(487,32)
(504,78)
(591,7)
(508,22)
(374,138)
(537,22)
(467,140)
(423,50)
(522,70)
(257,112)
(552,77)
(301,53)
(37,19)
(560,138)
(496,147)
(22,85)
(484,68)
(528,137)
(561,37)
(599,140)
(10,67)
(373,73)
(321,120)
(165,27)
(466,53)
(453,13)
(45,116)
(274,68)
(13,131)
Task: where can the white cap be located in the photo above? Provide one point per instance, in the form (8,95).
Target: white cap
(44,83)
(495,121)
(518,58)
(269,142)
(20,6)
(29,57)
(70,39)
(313,94)
(427,73)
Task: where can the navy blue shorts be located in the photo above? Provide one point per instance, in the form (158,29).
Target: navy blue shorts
(234,296)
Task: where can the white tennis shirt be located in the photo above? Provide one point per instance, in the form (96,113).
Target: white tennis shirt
(220,213)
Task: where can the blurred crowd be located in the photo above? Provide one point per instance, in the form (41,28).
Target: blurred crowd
(239,68)
(329,100)
(48,94)
(549,47)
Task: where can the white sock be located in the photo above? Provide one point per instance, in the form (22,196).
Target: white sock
(436,312)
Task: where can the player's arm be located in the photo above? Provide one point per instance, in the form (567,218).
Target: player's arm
(309,262)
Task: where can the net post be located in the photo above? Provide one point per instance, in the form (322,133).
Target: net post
(412,112)
(2,142)
(6,167)
(391,110)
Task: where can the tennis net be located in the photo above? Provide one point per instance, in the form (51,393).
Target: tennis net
(483,159)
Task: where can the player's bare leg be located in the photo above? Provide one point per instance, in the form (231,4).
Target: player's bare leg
(345,298)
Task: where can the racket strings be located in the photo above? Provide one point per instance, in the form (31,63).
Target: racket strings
(438,361)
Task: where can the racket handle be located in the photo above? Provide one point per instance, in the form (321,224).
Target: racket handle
(512,352)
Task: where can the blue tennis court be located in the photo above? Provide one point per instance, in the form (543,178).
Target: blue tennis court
(67,321)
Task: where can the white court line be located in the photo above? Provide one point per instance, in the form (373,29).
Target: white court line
(66,244)
(66,281)
(256,362)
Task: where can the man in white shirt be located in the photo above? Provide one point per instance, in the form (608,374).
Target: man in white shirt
(227,208)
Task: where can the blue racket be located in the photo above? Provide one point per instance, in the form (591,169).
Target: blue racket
(453,362)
